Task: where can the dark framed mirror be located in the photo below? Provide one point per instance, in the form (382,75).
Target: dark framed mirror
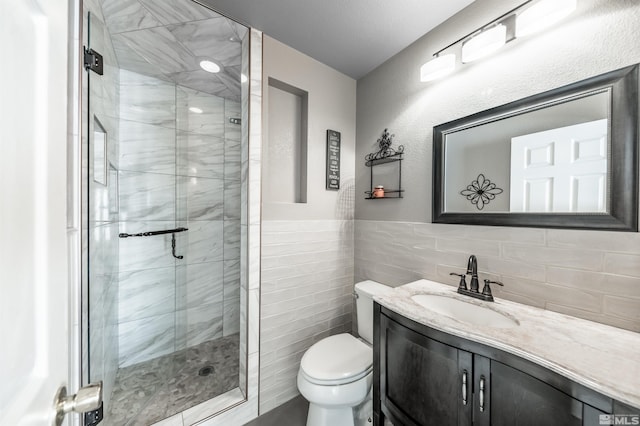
(565,158)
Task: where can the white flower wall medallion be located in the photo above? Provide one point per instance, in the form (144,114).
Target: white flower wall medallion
(481,191)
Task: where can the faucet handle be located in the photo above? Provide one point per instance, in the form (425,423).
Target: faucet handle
(487,288)
(463,282)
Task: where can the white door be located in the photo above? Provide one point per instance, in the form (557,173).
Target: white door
(34,313)
(560,170)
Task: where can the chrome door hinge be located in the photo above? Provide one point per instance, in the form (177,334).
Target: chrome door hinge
(93,61)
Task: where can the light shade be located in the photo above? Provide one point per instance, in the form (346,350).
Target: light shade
(209,66)
(438,67)
(486,42)
(542,15)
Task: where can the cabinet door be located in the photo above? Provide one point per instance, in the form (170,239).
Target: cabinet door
(518,399)
(422,379)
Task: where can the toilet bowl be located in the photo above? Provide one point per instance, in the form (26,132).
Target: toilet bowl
(336,373)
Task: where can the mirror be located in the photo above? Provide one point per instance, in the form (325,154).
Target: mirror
(566,158)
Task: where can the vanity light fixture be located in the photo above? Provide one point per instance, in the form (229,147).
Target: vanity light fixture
(542,15)
(209,66)
(527,18)
(438,67)
(483,44)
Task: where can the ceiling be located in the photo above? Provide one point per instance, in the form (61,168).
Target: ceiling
(351,36)
(167,39)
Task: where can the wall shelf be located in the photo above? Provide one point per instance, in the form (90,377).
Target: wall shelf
(388,193)
(385,155)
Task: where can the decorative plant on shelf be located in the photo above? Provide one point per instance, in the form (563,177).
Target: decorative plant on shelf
(384,142)
(481,191)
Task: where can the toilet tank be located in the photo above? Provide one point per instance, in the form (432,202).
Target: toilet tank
(365,291)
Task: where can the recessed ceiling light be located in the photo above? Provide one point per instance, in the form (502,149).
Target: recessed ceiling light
(195,110)
(209,66)
(243,78)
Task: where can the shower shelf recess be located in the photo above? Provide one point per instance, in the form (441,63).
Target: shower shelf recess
(388,193)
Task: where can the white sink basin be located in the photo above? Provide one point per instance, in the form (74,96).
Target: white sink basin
(465,312)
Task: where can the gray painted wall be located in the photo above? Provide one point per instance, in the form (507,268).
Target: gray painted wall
(600,36)
(589,274)
(332,105)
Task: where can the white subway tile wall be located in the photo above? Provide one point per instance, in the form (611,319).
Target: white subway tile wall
(306,295)
(588,274)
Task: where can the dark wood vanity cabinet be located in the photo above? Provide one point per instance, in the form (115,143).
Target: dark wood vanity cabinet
(426,377)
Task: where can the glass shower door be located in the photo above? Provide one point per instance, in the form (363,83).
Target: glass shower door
(100,215)
(162,211)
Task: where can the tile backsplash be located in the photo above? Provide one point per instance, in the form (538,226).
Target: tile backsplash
(306,295)
(588,274)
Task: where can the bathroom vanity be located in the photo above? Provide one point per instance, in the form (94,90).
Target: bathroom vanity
(443,358)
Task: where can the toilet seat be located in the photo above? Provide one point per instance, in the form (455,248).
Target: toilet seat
(335,360)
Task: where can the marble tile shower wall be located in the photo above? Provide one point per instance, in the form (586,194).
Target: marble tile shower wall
(177,168)
(102,222)
(587,274)
(306,295)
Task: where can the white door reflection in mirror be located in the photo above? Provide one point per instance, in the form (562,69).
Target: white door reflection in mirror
(560,170)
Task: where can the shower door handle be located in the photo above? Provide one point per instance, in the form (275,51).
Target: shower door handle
(88,398)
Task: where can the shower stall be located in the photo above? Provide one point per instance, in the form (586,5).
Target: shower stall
(165,206)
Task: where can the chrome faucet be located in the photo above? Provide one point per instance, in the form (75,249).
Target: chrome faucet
(472,269)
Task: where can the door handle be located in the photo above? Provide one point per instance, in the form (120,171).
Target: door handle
(464,388)
(88,398)
(481,393)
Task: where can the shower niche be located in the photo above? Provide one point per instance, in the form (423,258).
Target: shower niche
(165,201)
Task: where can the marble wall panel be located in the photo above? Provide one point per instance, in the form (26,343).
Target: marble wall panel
(205,197)
(130,60)
(232,160)
(202,285)
(127,15)
(210,39)
(159,46)
(138,253)
(176,11)
(209,122)
(203,81)
(232,278)
(201,155)
(147,100)
(232,239)
(232,109)
(147,148)
(146,293)
(204,242)
(231,320)
(232,200)
(147,338)
(147,196)
(202,323)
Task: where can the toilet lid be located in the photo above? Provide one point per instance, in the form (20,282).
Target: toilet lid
(338,357)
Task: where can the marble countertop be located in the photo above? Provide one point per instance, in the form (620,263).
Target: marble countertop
(600,357)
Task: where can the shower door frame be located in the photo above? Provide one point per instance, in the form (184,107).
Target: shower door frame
(234,406)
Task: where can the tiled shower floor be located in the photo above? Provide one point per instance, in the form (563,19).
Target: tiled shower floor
(153,390)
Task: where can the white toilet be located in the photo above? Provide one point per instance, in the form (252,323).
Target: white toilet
(336,373)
